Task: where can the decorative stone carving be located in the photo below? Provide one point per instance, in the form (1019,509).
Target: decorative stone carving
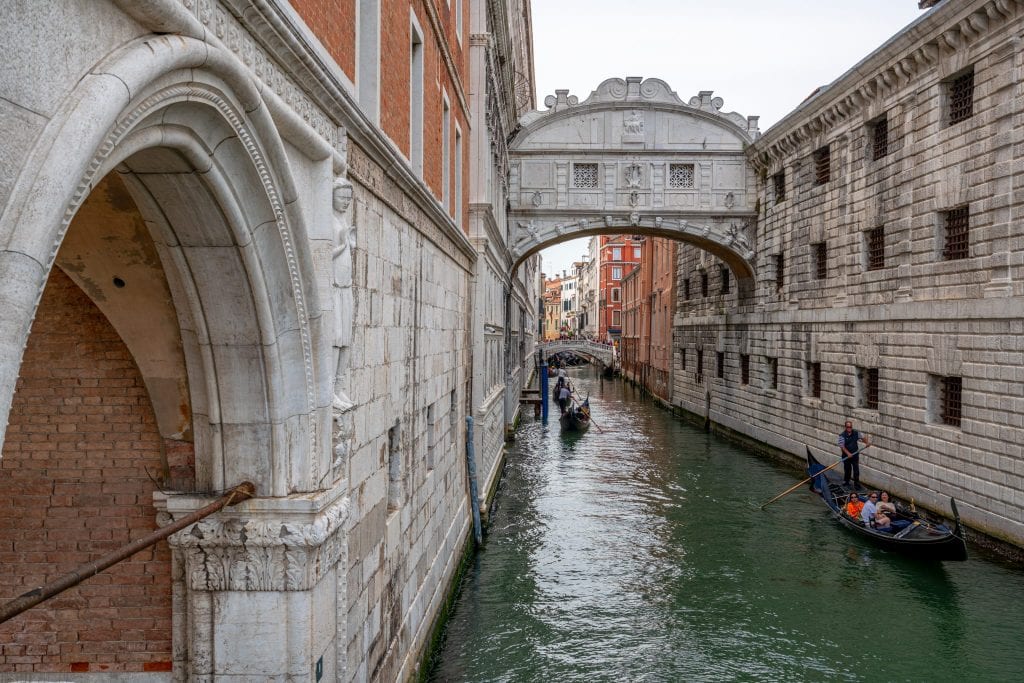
(634,123)
(730,200)
(634,219)
(537,199)
(634,175)
(532,229)
(344,243)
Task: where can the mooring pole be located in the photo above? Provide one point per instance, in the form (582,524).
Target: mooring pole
(243,491)
(543,387)
(474,496)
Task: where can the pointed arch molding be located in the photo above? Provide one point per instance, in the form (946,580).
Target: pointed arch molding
(634,157)
(266,420)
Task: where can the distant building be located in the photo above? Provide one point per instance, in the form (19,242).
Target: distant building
(619,255)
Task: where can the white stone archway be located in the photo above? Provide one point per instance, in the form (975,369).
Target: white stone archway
(634,158)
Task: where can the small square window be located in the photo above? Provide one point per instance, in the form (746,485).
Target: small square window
(875,245)
(584,176)
(616,295)
(879,139)
(956,233)
(745,368)
(703,283)
(720,358)
(820,261)
(616,272)
(960,91)
(779,182)
(822,165)
(680,176)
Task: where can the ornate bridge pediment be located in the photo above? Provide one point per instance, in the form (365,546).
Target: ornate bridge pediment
(633,157)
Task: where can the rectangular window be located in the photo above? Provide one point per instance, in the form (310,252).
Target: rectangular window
(616,318)
(682,357)
(779,182)
(875,244)
(700,365)
(446,152)
(616,253)
(814,379)
(394,467)
(779,272)
(680,176)
(703,283)
(773,373)
(960,94)
(616,272)
(820,261)
(458,177)
(945,398)
(720,360)
(686,289)
(458,19)
(584,176)
(956,224)
(867,380)
(879,138)
(368,58)
(725,279)
(822,165)
(431,436)
(636,253)
(745,368)
(616,295)
(416,97)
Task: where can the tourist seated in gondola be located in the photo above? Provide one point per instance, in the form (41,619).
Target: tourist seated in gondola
(887,507)
(854,506)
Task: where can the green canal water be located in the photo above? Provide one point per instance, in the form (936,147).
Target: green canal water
(640,554)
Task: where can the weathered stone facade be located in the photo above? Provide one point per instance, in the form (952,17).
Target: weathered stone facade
(873,302)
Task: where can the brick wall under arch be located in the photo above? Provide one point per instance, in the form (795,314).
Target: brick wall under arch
(75,483)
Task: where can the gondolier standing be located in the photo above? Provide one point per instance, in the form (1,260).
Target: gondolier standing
(849,441)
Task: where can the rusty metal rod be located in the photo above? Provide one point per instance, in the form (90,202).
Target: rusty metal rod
(243,491)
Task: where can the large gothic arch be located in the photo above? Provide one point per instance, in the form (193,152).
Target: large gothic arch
(634,158)
(190,136)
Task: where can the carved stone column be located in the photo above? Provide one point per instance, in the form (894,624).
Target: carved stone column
(259,591)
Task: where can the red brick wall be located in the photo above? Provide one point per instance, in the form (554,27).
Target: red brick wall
(74,486)
(334,23)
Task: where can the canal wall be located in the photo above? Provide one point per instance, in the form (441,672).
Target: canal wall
(890,285)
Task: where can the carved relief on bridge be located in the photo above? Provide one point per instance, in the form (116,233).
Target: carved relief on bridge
(634,155)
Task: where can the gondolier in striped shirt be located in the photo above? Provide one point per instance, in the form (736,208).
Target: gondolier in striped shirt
(849,441)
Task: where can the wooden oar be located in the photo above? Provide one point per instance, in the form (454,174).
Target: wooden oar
(586,411)
(794,488)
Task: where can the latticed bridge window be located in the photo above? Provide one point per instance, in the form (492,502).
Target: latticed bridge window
(957,232)
(961,97)
(584,176)
(680,175)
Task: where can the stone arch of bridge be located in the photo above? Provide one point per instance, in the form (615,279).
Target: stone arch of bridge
(634,158)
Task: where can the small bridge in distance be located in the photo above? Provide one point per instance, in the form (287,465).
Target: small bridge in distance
(602,353)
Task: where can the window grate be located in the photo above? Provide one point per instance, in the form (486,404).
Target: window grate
(680,176)
(700,366)
(745,368)
(958,223)
(584,176)
(779,272)
(725,279)
(686,289)
(961,98)
(779,181)
(876,248)
(820,261)
(814,379)
(682,356)
(880,142)
(773,372)
(871,390)
(822,165)
(721,364)
(952,391)
(704,283)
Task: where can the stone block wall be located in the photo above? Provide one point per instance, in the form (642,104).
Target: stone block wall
(914,316)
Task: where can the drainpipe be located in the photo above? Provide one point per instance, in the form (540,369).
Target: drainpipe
(474,496)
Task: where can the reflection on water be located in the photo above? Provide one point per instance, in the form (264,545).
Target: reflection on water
(638,552)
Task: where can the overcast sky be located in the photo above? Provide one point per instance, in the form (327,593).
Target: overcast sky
(763,57)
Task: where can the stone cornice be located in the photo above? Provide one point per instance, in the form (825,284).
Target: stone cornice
(950,27)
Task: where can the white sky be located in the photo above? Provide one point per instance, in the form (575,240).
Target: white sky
(763,57)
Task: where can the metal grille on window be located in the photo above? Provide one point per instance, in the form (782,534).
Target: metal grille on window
(725,279)
(745,368)
(961,98)
(779,273)
(815,380)
(680,175)
(871,390)
(686,289)
(952,389)
(682,356)
(958,223)
(700,365)
(779,181)
(822,166)
(820,261)
(704,283)
(880,146)
(584,175)
(721,364)
(876,248)
(773,368)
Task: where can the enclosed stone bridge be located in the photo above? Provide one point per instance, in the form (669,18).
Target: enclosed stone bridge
(634,158)
(602,353)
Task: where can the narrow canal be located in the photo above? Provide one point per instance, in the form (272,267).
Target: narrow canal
(639,553)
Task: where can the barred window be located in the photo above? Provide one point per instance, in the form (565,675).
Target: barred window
(686,289)
(721,364)
(700,365)
(957,224)
(880,139)
(868,378)
(584,176)
(951,392)
(703,283)
(682,356)
(961,97)
(773,373)
(876,248)
(680,175)
(779,181)
(822,165)
(725,279)
(745,368)
(779,272)
(820,261)
(814,379)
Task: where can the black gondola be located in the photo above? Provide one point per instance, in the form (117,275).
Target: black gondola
(922,538)
(576,418)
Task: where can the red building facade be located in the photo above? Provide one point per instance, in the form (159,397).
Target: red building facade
(620,255)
